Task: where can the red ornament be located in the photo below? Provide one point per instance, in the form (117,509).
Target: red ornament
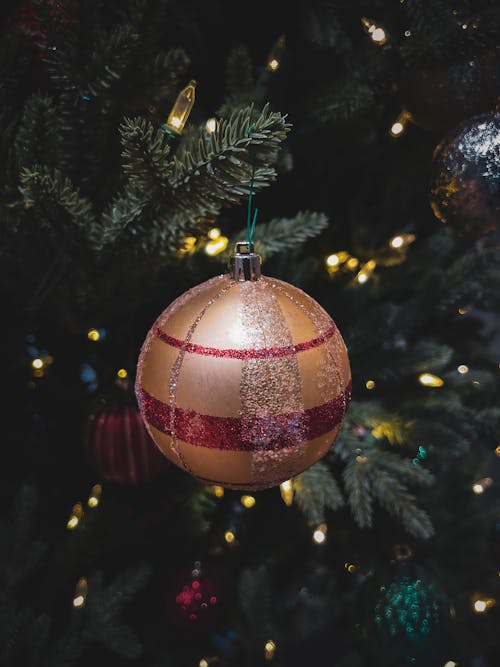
(194,599)
(118,444)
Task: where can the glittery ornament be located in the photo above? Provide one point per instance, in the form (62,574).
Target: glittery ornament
(441,97)
(118,444)
(195,598)
(409,615)
(465,183)
(244,383)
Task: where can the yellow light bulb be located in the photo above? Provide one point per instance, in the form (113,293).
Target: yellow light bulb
(370,384)
(332,260)
(37,363)
(218,491)
(366,271)
(462,311)
(269,649)
(95,496)
(216,247)
(179,114)
(80,593)
(376,32)
(203,663)
(430,380)
(481,485)
(214,233)
(450,663)
(75,516)
(480,606)
(497,450)
(398,127)
(122,373)
(93,335)
(276,55)
(247,501)
(211,125)
(463,369)
(286,490)
(229,536)
(396,242)
(319,534)
(352,263)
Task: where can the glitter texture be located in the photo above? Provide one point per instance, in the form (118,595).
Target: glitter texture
(465,189)
(251,433)
(263,353)
(244,384)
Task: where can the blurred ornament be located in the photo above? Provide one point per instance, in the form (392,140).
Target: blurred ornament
(117,442)
(441,97)
(465,183)
(244,380)
(194,598)
(409,614)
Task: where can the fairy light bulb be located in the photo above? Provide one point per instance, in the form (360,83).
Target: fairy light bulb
(319,534)
(332,260)
(398,127)
(229,536)
(211,125)
(401,241)
(80,593)
(376,32)
(247,501)
(366,271)
(450,663)
(214,233)
(269,649)
(481,485)
(75,516)
(95,496)
(122,373)
(179,114)
(286,490)
(430,380)
(218,491)
(93,335)
(276,54)
(216,247)
(37,363)
(462,369)
(481,604)
(370,384)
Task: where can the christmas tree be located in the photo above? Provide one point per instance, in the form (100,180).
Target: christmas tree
(354,148)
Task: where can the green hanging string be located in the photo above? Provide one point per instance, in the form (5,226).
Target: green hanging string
(251,220)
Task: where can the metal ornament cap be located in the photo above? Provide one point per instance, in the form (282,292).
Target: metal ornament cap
(245,263)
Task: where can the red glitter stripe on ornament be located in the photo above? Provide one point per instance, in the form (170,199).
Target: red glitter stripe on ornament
(263,353)
(245,434)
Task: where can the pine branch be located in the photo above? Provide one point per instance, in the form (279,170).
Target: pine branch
(146,159)
(209,174)
(104,606)
(316,491)
(282,234)
(37,139)
(161,80)
(111,54)
(395,499)
(357,484)
(55,198)
(125,209)
(344,101)
(239,82)
(254,594)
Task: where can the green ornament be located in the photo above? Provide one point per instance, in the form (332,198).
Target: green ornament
(409,616)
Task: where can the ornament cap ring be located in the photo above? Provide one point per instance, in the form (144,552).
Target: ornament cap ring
(245,263)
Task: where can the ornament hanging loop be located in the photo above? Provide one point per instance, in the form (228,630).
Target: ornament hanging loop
(245,263)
